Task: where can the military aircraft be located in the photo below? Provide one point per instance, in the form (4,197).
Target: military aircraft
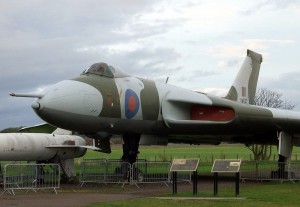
(104,101)
(60,147)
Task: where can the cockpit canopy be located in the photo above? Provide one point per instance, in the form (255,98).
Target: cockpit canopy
(102,69)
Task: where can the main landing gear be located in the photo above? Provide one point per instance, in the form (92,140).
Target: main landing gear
(285,148)
(130,147)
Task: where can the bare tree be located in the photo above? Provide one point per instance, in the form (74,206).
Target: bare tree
(272,99)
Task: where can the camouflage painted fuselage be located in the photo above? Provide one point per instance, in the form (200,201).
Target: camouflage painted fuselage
(91,103)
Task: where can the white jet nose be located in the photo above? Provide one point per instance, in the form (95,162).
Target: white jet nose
(71,97)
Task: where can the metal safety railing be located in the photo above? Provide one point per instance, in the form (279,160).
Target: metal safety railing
(92,171)
(30,177)
(264,170)
(117,171)
(151,172)
(104,171)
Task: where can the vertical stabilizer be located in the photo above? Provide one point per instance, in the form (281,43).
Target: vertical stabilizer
(244,86)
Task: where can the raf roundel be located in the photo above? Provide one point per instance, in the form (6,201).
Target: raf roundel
(132,104)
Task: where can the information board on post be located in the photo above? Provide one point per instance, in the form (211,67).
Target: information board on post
(184,165)
(226,166)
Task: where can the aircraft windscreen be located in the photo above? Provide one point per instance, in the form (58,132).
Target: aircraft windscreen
(102,69)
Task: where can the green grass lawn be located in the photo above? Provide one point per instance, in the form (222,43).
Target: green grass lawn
(259,195)
(256,194)
(206,153)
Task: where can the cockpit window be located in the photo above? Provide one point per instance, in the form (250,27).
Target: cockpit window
(102,69)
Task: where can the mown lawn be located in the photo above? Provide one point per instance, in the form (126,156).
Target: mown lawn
(258,195)
(206,153)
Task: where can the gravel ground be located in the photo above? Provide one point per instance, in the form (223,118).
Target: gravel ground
(76,196)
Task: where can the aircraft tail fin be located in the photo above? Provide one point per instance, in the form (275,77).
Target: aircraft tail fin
(244,86)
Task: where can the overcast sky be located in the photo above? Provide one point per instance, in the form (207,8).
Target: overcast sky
(199,44)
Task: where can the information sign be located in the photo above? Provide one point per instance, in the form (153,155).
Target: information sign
(186,165)
(226,166)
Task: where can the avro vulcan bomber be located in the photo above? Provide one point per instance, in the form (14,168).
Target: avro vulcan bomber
(105,101)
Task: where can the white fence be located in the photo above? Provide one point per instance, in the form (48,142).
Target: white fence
(47,176)
(254,170)
(92,171)
(104,171)
(151,172)
(30,177)
(117,171)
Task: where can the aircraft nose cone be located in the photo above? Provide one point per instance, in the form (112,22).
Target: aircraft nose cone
(67,99)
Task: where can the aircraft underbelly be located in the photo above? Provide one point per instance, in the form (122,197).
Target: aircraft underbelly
(247,126)
(89,124)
